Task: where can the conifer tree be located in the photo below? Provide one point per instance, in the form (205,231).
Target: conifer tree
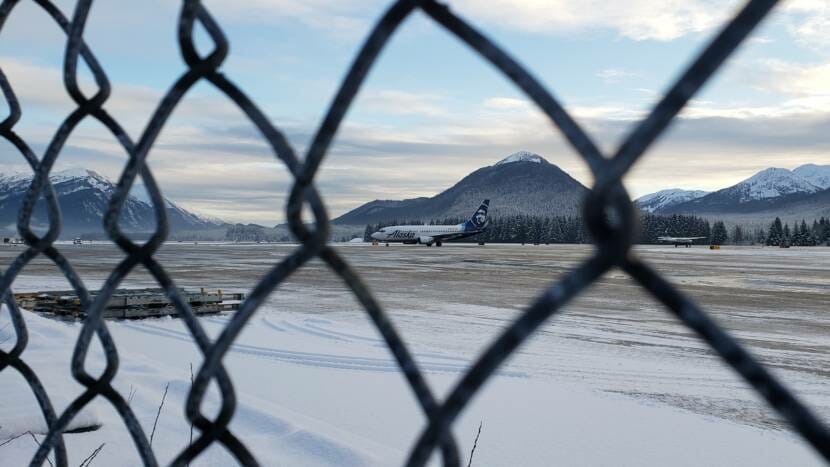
(719,236)
(776,233)
(737,235)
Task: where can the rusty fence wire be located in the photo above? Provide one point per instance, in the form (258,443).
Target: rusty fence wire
(608,213)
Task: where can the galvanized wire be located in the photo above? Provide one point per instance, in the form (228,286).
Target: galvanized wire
(607,196)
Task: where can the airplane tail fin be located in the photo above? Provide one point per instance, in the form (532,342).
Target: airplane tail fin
(479,219)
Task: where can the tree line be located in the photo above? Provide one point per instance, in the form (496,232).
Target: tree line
(253,233)
(571,229)
(559,229)
(780,234)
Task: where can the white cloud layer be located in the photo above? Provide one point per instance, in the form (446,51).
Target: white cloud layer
(635,19)
(808,20)
(344,17)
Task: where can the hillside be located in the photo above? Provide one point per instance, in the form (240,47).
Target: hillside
(522,183)
(796,194)
(664,199)
(83,197)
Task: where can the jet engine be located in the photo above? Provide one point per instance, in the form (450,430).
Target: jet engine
(425,240)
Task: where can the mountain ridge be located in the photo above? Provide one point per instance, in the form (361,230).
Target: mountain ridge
(771,192)
(523,183)
(83,196)
(664,198)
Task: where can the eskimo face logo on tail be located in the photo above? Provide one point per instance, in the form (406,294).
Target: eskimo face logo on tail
(479,219)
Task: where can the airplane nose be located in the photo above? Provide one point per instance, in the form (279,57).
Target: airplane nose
(376,235)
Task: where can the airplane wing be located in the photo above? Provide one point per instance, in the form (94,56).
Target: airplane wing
(451,236)
(455,235)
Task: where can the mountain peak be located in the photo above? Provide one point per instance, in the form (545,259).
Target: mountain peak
(771,183)
(75,172)
(818,175)
(667,198)
(522,156)
(809,166)
(55,176)
(770,172)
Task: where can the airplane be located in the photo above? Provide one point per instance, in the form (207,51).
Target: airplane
(429,234)
(677,241)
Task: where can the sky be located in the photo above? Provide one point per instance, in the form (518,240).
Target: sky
(431,110)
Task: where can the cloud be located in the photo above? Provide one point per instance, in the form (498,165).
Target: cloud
(507,103)
(615,75)
(40,88)
(343,17)
(636,19)
(795,79)
(405,103)
(808,22)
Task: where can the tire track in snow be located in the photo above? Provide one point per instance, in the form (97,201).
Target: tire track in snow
(321,360)
(374,340)
(349,337)
(316,330)
(312,332)
(267,322)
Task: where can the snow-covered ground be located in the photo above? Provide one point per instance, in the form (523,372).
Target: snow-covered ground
(613,380)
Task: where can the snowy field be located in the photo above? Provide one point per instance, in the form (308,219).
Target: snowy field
(614,380)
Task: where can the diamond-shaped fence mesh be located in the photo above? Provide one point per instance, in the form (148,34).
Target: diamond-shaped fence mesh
(608,213)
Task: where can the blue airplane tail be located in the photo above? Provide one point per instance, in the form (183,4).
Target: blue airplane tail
(479,219)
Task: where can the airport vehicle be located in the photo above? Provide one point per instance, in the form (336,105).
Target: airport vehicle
(435,234)
(677,241)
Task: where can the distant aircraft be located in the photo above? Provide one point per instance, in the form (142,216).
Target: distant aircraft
(677,241)
(429,234)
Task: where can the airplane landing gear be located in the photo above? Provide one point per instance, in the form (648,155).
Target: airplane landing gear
(437,244)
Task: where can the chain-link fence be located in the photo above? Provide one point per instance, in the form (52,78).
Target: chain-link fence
(608,213)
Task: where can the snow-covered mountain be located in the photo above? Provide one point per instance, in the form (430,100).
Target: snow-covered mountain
(523,183)
(769,193)
(667,198)
(769,183)
(818,175)
(762,188)
(83,196)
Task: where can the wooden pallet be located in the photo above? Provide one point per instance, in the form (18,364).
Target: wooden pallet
(130,303)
